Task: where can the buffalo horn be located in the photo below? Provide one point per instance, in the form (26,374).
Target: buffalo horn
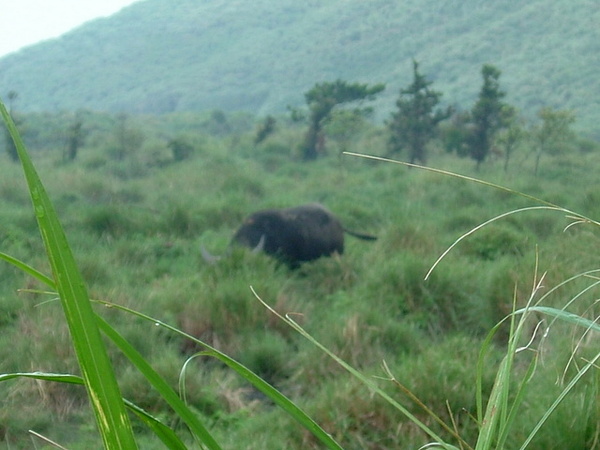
(261,244)
(207,256)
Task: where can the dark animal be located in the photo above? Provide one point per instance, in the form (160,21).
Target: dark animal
(293,235)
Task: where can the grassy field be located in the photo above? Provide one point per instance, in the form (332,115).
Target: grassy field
(136,224)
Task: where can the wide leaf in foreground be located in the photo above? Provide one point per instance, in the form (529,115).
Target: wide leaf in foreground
(96,368)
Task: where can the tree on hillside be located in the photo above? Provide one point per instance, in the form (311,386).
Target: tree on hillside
(127,140)
(11,149)
(12,96)
(218,124)
(265,129)
(75,136)
(343,125)
(509,138)
(416,121)
(487,115)
(181,148)
(321,100)
(551,133)
(455,132)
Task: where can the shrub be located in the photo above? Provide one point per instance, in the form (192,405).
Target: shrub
(180,148)
(266,354)
(107,221)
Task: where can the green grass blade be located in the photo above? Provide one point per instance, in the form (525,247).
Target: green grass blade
(365,380)
(573,215)
(495,411)
(565,316)
(371,385)
(559,399)
(498,415)
(170,396)
(281,400)
(483,225)
(485,347)
(137,359)
(278,398)
(103,391)
(491,419)
(514,409)
(59,377)
(164,433)
(27,269)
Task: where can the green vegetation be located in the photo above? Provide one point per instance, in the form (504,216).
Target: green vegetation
(135,215)
(488,114)
(552,133)
(416,122)
(261,56)
(321,99)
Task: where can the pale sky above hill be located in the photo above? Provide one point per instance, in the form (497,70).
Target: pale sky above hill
(26,22)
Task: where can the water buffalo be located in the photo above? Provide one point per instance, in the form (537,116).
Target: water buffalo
(293,235)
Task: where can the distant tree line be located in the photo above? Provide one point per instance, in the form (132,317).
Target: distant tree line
(491,129)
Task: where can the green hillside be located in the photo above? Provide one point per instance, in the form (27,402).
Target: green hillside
(160,56)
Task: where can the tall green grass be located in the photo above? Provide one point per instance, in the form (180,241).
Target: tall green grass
(96,369)
(85,326)
(385,358)
(503,407)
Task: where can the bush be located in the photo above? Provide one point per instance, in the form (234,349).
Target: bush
(266,354)
(180,148)
(107,221)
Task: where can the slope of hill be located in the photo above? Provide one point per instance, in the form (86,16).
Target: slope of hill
(159,56)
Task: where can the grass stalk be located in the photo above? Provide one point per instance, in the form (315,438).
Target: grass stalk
(167,436)
(497,421)
(163,388)
(277,397)
(365,380)
(96,368)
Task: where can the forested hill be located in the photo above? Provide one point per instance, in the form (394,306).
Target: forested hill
(261,55)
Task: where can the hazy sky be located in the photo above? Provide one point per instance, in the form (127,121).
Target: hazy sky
(25,22)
